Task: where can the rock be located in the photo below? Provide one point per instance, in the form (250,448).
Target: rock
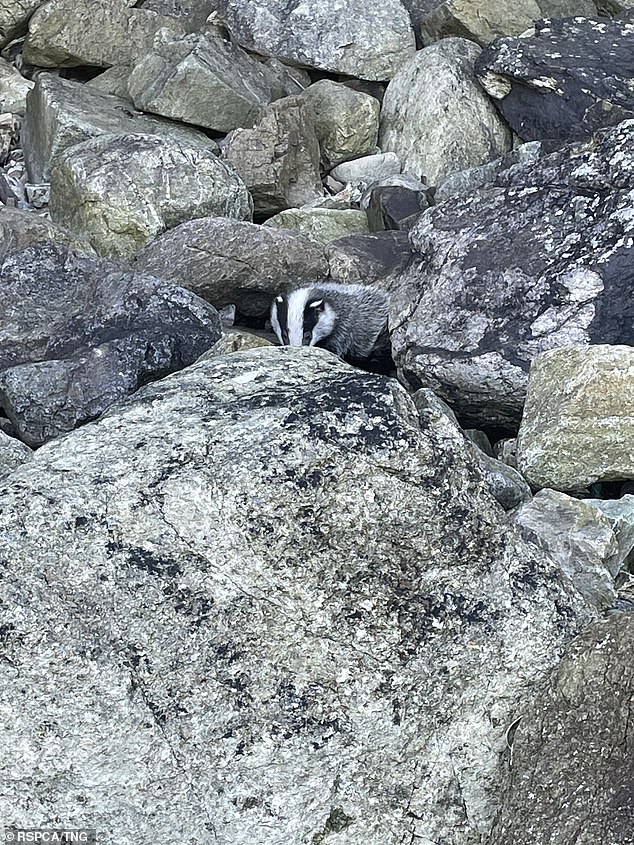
(488,19)
(578,423)
(14,18)
(321,224)
(572,765)
(205,81)
(113,81)
(13,453)
(19,229)
(465,181)
(368,258)
(367,169)
(395,202)
(346,121)
(77,333)
(101,33)
(481,440)
(279,158)
(435,116)
(505,450)
(579,537)
(540,259)
(166,183)
(620,513)
(571,78)
(13,89)
(230,261)
(235,340)
(370,40)
(191,14)
(256,594)
(61,113)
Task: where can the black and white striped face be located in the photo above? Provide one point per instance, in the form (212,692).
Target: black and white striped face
(302,318)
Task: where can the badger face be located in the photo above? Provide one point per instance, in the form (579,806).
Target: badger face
(302,318)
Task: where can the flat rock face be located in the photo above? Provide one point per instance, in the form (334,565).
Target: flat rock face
(571,78)
(120,191)
(321,225)
(203,80)
(578,423)
(61,113)
(436,117)
(278,158)
(67,33)
(572,773)
(234,262)
(368,39)
(265,598)
(541,259)
(77,333)
(19,229)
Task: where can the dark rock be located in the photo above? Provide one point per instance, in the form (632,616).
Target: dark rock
(395,206)
(368,259)
(540,259)
(571,78)
(77,333)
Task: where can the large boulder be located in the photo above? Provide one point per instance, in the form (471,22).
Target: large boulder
(367,39)
(119,191)
(437,118)
(569,79)
(19,229)
(233,262)
(539,259)
(321,225)
(572,773)
(61,113)
(14,16)
(78,333)
(578,422)
(205,81)
(258,601)
(67,33)
(278,158)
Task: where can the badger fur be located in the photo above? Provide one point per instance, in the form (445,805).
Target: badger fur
(349,320)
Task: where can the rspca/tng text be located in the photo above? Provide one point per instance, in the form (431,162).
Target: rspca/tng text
(49,836)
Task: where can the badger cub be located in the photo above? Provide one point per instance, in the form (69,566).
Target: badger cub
(349,320)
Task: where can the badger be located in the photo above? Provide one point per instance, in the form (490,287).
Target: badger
(349,320)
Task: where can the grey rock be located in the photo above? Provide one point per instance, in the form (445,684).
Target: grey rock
(368,258)
(579,537)
(620,512)
(505,450)
(236,632)
(193,15)
(367,169)
(14,16)
(114,80)
(235,340)
(61,113)
(229,261)
(13,453)
(13,89)
(205,81)
(569,79)
(395,202)
(19,229)
(68,33)
(571,773)
(369,41)
(437,118)
(278,158)
(166,182)
(578,422)
(539,259)
(346,121)
(77,333)
(322,225)
(481,440)
(425,399)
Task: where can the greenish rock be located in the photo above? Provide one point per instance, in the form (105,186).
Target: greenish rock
(14,17)
(620,512)
(234,340)
(321,224)
(13,453)
(119,192)
(193,15)
(61,113)
(114,80)
(13,89)
(101,33)
(19,229)
(578,422)
(346,121)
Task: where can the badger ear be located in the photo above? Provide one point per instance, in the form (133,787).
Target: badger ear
(318,305)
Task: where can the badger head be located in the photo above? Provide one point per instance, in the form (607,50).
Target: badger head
(302,317)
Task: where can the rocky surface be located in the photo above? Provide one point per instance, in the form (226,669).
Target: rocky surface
(19,229)
(77,333)
(13,453)
(14,16)
(578,422)
(569,79)
(13,89)
(62,113)
(571,773)
(234,340)
(119,191)
(278,158)
(368,39)
(540,259)
(367,169)
(435,115)
(395,202)
(229,261)
(368,258)
(251,632)
(322,225)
